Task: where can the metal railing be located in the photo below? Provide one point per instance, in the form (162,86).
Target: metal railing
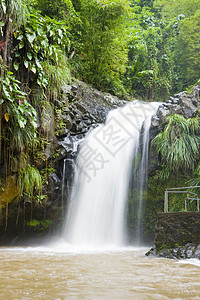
(191,196)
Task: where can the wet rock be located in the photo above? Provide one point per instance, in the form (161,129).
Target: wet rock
(184,103)
(177,229)
(163,112)
(188,107)
(151,252)
(75,86)
(55,180)
(177,235)
(190,250)
(66,89)
(155,121)
(197,252)
(58,103)
(68,121)
(181,94)
(174,100)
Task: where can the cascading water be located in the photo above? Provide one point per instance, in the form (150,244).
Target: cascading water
(63,185)
(140,180)
(97,208)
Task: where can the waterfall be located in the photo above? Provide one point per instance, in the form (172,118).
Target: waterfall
(63,188)
(142,180)
(96,214)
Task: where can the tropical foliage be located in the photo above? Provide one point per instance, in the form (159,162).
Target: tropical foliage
(178,144)
(103,42)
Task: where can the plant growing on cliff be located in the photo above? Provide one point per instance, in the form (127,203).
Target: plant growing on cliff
(29,180)
(19,121)
(12,14)
(178,144)
(39,225)
(40,41)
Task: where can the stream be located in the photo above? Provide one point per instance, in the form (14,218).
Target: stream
(64,272)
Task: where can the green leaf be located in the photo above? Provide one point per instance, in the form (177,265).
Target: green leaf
(20,37)
(33,69)
(3,7)
(29,55)
(26,64)
(31,37)
(16,66)
(34,123)
(38,64)
(39,82)
(44,82)
(21,45)
(22,121)
(60,33)
(45,44)
(40,31)
(6,94)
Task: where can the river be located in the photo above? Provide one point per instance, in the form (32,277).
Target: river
(62,272)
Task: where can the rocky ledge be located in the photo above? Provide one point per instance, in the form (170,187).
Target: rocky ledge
(177,235)
(190,250)
(186,103)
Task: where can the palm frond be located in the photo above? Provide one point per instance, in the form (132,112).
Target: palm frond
(179,143)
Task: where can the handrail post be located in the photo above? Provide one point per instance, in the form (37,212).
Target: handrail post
(187,201)
(166,202)
(185,204)
(191,196)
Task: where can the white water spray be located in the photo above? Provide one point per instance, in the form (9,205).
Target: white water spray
(96,213)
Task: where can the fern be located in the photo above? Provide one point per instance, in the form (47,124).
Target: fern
(29,180)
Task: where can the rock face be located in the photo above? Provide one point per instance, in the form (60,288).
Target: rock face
(177,229)
(84,108)
(177,235)
(184,103)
